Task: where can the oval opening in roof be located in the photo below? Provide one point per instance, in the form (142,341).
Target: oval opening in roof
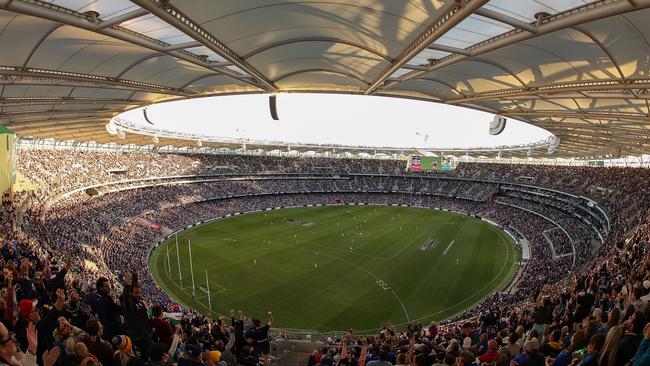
(332,120)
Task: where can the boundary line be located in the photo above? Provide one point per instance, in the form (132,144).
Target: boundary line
(369,273)
(493,226)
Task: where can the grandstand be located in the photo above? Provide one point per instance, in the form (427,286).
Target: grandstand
(89,199)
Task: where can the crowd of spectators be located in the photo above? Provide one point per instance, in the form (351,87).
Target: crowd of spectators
(76,291)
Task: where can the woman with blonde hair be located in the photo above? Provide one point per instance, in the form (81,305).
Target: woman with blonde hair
(610,348)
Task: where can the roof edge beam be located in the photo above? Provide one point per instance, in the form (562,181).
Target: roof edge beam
(548,91)
(21,72)
(59,112)
(610,116)
(16,101)
(48,123)
(414,67)
(456,13)
(458,51)
(174,17)
(122,18)
(584,14)
(502,18)
(67,17)
(182,46)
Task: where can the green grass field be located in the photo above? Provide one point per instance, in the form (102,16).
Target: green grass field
(336,267)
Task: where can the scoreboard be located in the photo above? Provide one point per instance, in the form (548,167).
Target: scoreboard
(429,163)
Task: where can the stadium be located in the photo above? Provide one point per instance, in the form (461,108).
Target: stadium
(372,182)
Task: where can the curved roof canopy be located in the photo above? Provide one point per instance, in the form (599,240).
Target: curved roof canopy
(578,68)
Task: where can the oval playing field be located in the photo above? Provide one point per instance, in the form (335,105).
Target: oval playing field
(328,268)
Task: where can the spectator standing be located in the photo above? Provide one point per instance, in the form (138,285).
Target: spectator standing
(108,311)
(259,335)
(137,320)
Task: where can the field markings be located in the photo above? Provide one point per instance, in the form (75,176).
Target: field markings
(405,246)
(508,249)
(344,251)
(392,291)
(194,300)
(221,288)
(448,247)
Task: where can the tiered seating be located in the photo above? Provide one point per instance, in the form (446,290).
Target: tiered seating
(559,286)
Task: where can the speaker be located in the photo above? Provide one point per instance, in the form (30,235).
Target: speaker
(273,107)
(110,128)
(553,143)
(497,125)
(146,118)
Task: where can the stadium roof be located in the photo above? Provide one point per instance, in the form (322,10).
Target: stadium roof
(580,69)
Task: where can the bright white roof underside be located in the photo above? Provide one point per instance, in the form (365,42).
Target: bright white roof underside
(335,119)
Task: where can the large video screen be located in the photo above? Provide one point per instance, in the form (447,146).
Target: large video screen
(429,163)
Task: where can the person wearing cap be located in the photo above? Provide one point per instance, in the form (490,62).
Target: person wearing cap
(45,325)
(28,314)
(214,358)
(531,355)
(124,350)
(138,323)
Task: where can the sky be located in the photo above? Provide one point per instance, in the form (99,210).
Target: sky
(351,120)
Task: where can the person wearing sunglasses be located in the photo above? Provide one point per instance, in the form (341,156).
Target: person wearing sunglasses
(10,355)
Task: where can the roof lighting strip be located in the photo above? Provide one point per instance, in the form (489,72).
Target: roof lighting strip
(67,74)
(204,37)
